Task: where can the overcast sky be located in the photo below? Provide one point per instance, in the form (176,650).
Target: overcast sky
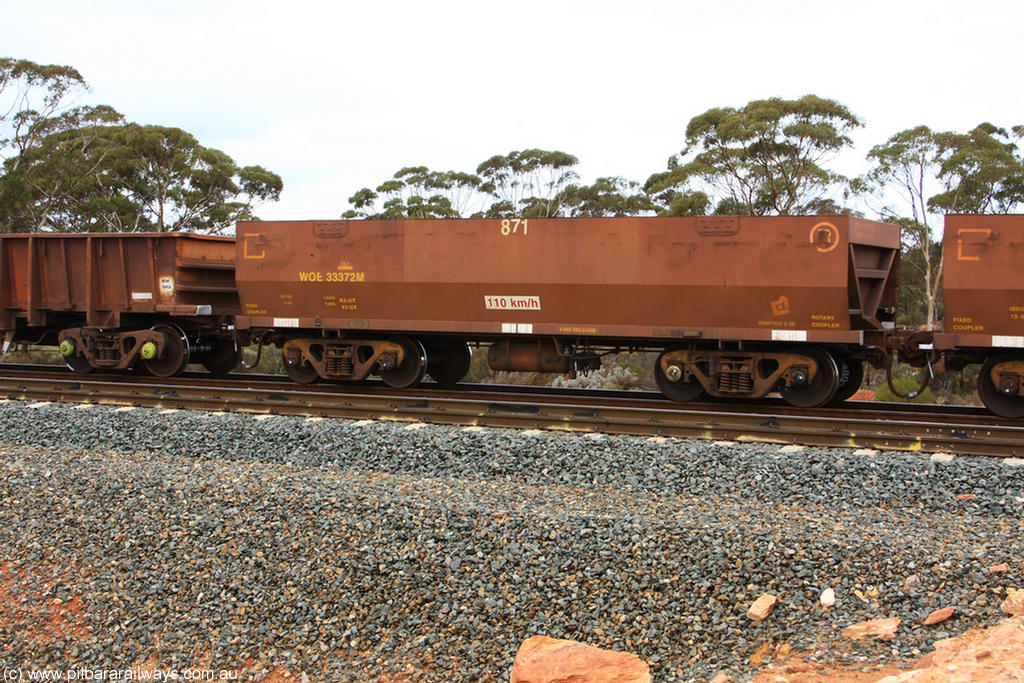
(337,96)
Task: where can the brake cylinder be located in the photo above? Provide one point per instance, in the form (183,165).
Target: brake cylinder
(527,355)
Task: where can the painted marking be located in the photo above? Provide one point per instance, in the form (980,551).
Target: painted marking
(254,245)
(499,302)
(789,335)
(824,237)
(525,329)
(167,285)
(1002,340)
(780,306)
(960,255)
(286,322)
(142,296)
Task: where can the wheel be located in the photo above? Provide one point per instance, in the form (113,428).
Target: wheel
(412,369)
(681,391)
(818,391)
(222,359)
(1002,404)
(851,375)
(79,364)
(299,372)
(448,363)
(176,352)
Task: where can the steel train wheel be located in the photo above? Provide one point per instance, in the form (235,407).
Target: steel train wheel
(301,374)
(222,359)
(447,364)
(818,391)
(1002,404)
(79,364)
(680,391)
(851,376)
(176,352)
(412,369)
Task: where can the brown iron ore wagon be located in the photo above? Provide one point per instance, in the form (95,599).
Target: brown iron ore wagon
(983,295)
(113,300)
(736,306)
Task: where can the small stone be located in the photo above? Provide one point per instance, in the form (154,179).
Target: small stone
(828,598)
(1014,602)
(939,616)
(999,568)
(721,677)
(542,659)
(942,457)
(761,608)
(911,581)
(882,629)
(1013,462)
(966,496)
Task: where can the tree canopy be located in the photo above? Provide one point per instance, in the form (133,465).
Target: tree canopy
(767,157)
(84,168)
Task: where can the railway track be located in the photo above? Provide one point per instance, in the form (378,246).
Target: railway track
(949,429)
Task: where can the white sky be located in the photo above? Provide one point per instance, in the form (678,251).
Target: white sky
(335,96)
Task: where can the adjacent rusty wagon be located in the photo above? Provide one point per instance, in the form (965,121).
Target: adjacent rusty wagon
(113,300)
(738,306)
(983,292)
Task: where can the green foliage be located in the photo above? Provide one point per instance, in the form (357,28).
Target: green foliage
(417,192)
(981,171)
(77,169)
(528,183)
(904,384)
(606,197)
(765,158)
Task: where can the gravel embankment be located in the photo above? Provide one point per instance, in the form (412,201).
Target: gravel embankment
(349,551)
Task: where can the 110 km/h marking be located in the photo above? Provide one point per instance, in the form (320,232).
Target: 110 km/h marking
(494,302)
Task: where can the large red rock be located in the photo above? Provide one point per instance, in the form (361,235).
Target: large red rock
(939,616)
(992,655)
(761,608)
(882,629)
(1014,602)
(550,660)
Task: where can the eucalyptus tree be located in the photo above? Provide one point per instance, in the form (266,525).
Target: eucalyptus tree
(418,192)
(528,183)
(768,157)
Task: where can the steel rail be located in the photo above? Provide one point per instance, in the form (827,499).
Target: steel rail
(911,428)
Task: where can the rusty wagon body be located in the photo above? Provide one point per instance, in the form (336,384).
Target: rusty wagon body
(342,297)
(110,300)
